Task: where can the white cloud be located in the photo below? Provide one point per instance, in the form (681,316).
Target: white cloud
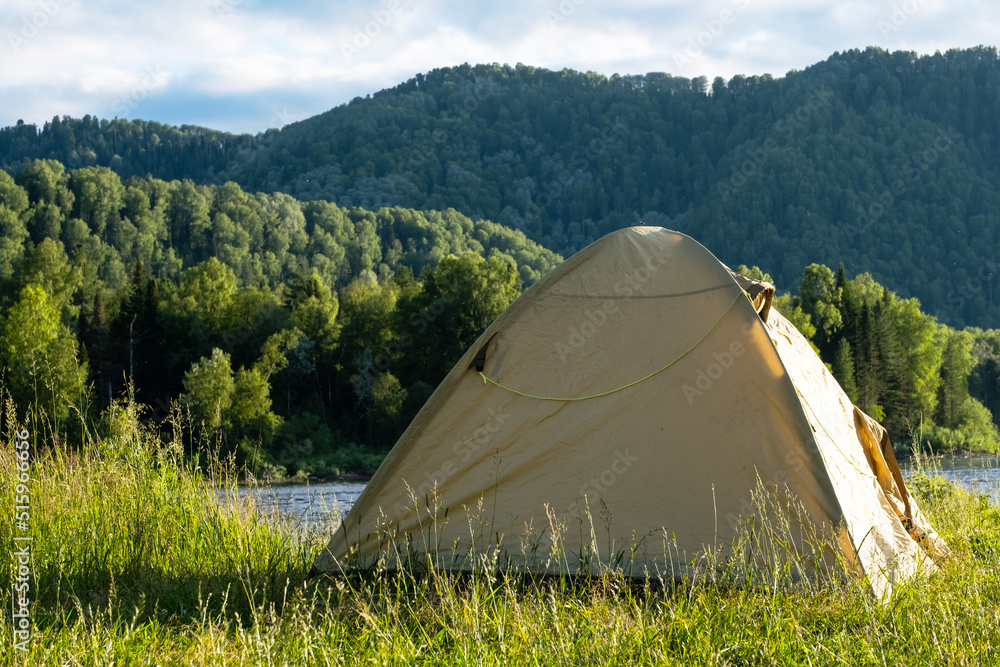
(219,56)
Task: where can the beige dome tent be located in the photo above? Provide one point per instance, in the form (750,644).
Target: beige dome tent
(629,408)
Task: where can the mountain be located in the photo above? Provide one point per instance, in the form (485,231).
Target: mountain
(888,162)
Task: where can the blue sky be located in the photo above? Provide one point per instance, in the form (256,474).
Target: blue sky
(247,65)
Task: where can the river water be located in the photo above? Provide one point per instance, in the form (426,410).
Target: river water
(317,506)
(321,505)
(980,474)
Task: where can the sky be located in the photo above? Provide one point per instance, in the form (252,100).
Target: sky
(250,65)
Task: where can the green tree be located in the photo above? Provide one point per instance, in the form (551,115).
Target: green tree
(188,218)
(41,356)
(238,405)
(789,306)
(459,299)
(920,358)
(249,415)
(843,369)
(984,382)
(13,232)
(363,383)
(207,292)
(313,308)
(97,200)
(820,299)
(868,364)
(208,390)
(273,354)
(388,399)
(754,273)
(94,342)
(975,422)
(135,333)
(47,266)
(47,185)
(956,364)
(366,319)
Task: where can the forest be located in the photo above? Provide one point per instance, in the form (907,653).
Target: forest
(886,161)
(294,336)
(934,388)
(297,295)
(301,337)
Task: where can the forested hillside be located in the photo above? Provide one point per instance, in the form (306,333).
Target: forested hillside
(888,162)
(297,336)
(130,148)
(305,336)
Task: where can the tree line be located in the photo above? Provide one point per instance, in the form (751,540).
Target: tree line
(294,336)
(303,337)
(887,161)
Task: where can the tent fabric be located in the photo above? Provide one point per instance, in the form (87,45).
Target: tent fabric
(636,399)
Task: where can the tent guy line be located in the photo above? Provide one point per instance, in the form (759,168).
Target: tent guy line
(631,384)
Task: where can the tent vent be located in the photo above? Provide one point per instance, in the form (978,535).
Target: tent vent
(760,293)
(480,361)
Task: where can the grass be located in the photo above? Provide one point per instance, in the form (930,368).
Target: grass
(136,562)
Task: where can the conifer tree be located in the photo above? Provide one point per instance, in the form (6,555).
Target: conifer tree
(843,369)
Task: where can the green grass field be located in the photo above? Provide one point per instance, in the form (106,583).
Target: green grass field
(136,562)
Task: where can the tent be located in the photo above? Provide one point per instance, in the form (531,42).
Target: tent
(630,408)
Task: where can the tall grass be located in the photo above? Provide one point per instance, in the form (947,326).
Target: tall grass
(138,561)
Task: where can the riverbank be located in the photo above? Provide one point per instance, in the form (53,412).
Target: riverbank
(301,480)
(136,562)
(960,454)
